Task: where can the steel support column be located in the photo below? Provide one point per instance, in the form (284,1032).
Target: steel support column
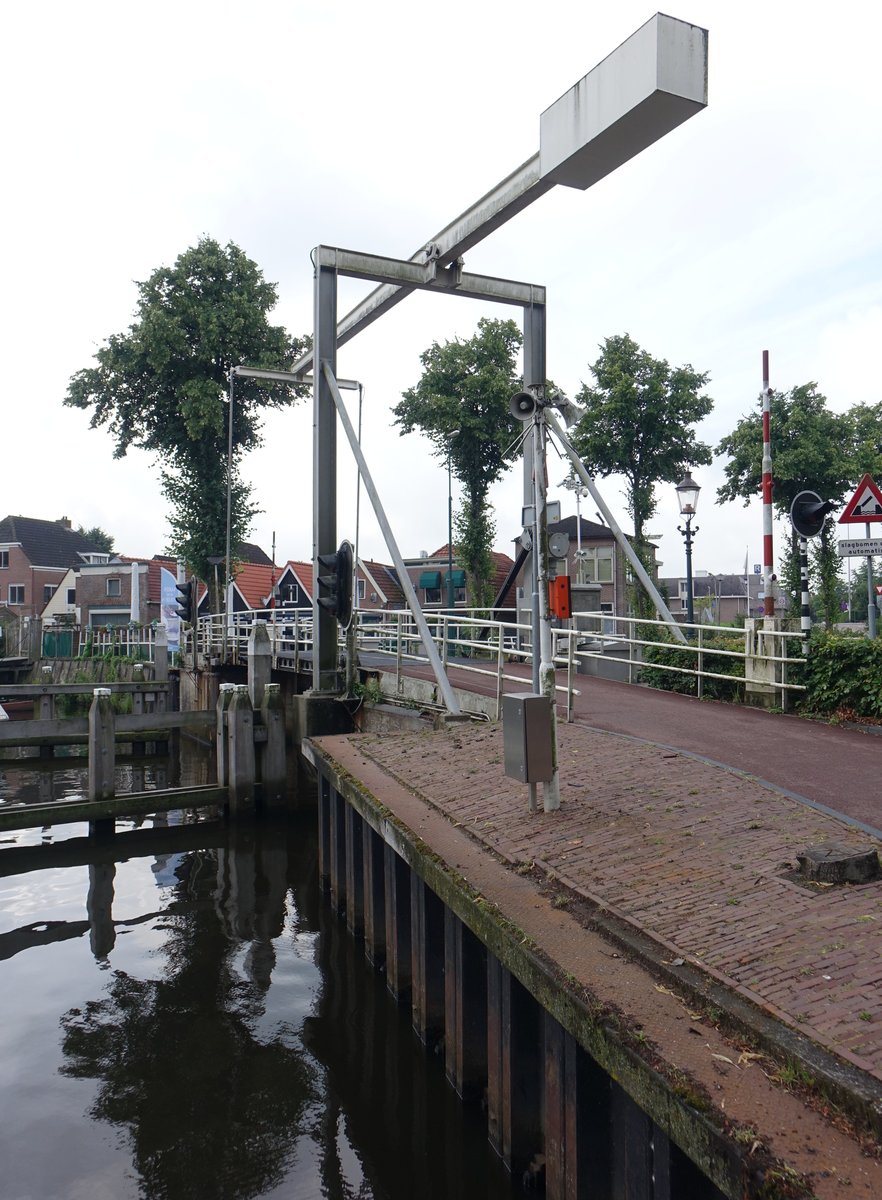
(324,475)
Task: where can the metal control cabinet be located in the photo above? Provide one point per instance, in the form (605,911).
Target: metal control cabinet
(526,736)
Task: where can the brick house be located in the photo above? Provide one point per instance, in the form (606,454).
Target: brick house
(600,561)
(35,556)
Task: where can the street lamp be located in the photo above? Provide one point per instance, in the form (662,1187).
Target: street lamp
(451,599)
(228,548)
(687,498)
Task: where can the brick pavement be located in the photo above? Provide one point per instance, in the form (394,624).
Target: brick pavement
(694,855)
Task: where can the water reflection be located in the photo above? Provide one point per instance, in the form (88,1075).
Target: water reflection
(209,1107)
(217,1016)
(27,778)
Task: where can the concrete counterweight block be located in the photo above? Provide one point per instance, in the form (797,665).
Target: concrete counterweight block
(260,662)
(240,751)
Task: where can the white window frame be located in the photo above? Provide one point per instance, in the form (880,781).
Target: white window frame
(4,560)
(15,589)
(114,587)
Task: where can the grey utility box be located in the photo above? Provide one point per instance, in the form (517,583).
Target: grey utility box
(526,737)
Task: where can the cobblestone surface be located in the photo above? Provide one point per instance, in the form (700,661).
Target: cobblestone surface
(695,855)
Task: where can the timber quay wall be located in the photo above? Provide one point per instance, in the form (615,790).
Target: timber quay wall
(609,1060)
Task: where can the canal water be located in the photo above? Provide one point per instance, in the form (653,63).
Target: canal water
(182,1015)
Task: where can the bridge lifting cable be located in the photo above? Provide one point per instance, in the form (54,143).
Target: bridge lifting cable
(413,603)
(638,567)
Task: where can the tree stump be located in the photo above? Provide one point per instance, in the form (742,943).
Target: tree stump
(832,862)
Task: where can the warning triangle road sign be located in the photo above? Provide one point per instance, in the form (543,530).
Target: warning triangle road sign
(865,504)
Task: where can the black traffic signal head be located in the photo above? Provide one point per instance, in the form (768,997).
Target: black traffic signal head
(334,583)
(807,513)
(186,601)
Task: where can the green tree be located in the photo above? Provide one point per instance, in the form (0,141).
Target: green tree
(162,387)
(466,386)
(812,449)
(98,537)
(864,425)
(638,422)
(859,596)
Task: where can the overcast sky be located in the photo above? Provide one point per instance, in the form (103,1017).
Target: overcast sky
(132,130)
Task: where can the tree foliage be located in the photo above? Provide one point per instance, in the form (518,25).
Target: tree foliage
(813,449)
(162,387)
(466,385)
(98,537)
(638,423)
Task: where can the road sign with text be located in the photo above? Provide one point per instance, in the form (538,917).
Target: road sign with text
(859,547)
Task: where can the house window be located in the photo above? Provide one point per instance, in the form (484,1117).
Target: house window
(359,588)
(290,593)
(48,592)
(608,623)
(113,588)
(430,582)
(16,593)
(604,566)
(4,559)
(72,595)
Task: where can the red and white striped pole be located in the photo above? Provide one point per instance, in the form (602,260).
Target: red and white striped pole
(768,598)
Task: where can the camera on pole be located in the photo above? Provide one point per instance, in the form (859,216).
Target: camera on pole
(186,601)
(334,579)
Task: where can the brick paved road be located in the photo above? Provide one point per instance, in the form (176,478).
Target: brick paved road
(695,855)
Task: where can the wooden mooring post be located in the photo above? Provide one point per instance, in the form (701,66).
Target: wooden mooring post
(102,756)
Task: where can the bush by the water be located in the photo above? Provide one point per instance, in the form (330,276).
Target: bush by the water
(843,676)
(672,654)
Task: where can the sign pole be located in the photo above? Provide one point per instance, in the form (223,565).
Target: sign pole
(865,505)
(871,593)
(805,615)
(768,596)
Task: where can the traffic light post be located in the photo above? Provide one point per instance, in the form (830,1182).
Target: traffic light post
(807,515)
(334,579)
(186,601)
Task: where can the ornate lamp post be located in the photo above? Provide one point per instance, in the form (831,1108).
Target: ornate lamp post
(687,497)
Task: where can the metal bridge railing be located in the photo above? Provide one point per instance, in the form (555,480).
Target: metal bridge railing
(476,643)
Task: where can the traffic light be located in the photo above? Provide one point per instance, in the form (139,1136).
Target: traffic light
(186,601)
(334,578)
(807,513)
